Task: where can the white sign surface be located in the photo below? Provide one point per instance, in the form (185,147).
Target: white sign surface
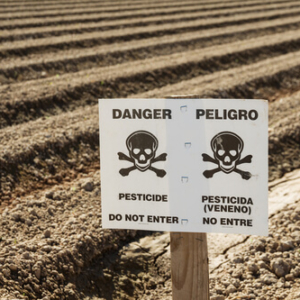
(187,165)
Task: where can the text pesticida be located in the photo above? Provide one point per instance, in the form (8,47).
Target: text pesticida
(227,200)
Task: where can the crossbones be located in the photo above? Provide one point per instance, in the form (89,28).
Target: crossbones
(142,146)
(227,147)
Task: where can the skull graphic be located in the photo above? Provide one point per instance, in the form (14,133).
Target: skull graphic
(142,146)
(227,148)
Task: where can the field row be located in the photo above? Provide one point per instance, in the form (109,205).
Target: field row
(65,61)
(48,31)
(49,6)
(107,8)
(19,48)
(53,238)
(97,17)
(45,4)
(224,58)
(238,58)
(160,6)
(44,152)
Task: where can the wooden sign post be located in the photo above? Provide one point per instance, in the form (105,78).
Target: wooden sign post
(189,266)
(189,259)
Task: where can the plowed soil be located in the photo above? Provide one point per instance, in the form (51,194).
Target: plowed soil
(57,59)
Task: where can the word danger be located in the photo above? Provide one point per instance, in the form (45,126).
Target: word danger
(142,114)
(230,114)
(143,218)
(230,222)
(143,197)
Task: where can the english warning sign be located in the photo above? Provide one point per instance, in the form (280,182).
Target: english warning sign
(187,165)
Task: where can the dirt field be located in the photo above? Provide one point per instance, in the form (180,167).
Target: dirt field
(58,57)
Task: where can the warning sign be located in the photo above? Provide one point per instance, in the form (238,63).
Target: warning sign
(187,165)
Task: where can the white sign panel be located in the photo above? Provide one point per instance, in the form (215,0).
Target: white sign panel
(186,165)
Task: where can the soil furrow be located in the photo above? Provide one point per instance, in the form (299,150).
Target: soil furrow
(60,231)
(93,39)
(105,16)
(282,106)
(20,10)
(50,5)
(88,10)
(284,141)
(257,80)
(95,8)
(32,99)
(37,66)
(47,151)
(42,32)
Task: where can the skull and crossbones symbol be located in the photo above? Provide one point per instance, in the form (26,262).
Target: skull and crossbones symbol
(142,146)
(227,148)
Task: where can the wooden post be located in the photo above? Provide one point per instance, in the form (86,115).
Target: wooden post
(189,259)
(189,266)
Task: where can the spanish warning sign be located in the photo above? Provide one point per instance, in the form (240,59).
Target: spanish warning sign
(187,165)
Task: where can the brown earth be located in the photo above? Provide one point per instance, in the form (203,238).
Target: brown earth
(58,58)
(28,22)
(88,26)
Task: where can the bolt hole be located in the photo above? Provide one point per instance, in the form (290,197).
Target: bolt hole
(183,108)
(184,179)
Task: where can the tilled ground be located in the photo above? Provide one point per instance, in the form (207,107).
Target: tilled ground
(57,59)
